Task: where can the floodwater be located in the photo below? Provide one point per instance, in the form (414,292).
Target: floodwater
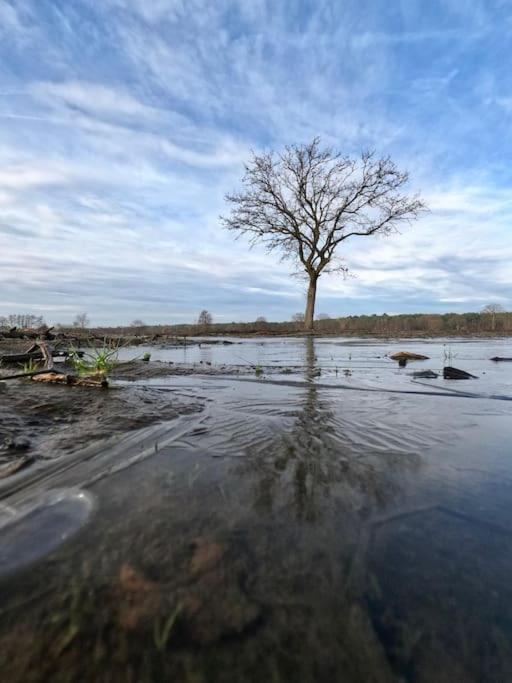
(334,520)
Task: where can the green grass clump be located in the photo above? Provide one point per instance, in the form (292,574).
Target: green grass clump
(30,366)
(96,362)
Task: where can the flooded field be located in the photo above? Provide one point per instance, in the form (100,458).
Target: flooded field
(291,510)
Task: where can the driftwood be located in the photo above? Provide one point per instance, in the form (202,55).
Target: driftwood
(53,376)
(499,359)
(37,352)
(98,382)
(15,466)
(455,373)
(20,375)
(26,357)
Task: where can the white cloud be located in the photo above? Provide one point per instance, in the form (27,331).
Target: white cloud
(122,133)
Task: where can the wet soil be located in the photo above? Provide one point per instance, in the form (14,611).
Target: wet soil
(45,421)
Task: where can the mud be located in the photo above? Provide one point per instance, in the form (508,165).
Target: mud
(48,421)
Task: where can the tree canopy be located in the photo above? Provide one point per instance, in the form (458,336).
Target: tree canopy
(306,200)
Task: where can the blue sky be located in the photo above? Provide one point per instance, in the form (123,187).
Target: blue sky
(124,122)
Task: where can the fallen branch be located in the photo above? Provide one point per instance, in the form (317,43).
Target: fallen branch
(16,466)
(20,375)
(53,377)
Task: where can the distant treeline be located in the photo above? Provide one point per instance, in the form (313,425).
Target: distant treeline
(418,324)
(24,320)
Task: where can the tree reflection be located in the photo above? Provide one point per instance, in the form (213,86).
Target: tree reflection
(314,466)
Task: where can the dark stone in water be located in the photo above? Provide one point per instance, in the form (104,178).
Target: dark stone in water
(13,444)
(426,374)
(455,373)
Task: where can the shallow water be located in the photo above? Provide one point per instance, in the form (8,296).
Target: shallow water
(302,527)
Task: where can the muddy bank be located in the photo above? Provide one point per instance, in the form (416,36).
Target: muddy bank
(40,421)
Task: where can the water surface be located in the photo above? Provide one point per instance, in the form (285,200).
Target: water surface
(338,522)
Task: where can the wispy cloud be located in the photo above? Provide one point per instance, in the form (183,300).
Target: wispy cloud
(125,122)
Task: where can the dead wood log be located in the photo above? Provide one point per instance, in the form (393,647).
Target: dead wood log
(15,466)
(20,375)
(27,356)
(53,377)
(499,359)
(47,352)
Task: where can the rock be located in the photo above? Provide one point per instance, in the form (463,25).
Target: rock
(13,444)
(406,355)
(455,373)
(425,374)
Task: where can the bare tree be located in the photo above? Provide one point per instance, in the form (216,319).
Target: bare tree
(82,321)
(298,317)
(305,201)
(492,310)
(323,316)
(137,323)
(205,318)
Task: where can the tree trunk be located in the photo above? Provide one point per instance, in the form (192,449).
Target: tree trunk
(310,305)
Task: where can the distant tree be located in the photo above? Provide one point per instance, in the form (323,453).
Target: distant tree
(137,323)
(298,317)
(205,318)
(323,316)
(81,321)
(261,323)
(492,310)
(23,320)
(305,201)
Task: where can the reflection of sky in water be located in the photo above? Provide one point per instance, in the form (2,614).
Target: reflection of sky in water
(363,536)
(366,359)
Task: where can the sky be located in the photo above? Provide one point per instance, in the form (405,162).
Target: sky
(123,123)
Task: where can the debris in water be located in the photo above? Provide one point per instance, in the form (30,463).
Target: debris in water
(406,355)
(425,374)
(455,373)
